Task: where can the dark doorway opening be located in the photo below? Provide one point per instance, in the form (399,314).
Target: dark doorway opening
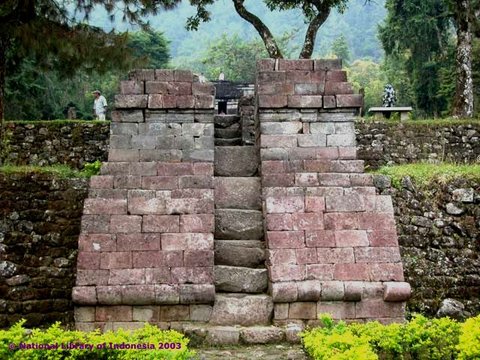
(222,107)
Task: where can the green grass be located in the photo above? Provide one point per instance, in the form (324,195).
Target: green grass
(424,174)
(59,171)
(424,122)
(56,122)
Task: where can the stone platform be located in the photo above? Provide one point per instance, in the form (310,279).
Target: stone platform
(188,227)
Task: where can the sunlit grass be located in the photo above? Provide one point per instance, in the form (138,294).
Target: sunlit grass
(59,171)
(59,122)
(424,174)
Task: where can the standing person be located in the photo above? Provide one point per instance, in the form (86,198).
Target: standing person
(99,106)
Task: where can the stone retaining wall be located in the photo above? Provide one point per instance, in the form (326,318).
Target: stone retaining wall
(387,143)
(439,236)
(39,227)
(378,143)
(39,247)
(55,142)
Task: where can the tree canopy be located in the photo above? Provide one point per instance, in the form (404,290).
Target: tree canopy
(58,37)
(315,14)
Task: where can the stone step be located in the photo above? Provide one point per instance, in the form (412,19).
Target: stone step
(202,335)
(238,193)
(230,133)
(234,224)
(240,279)
(242,309)
(246,253)
(229,142)
(236,160)
(225,121)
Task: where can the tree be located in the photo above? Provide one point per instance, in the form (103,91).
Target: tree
(340,49)
(315,12)
(421,30)
(49,93)
(58,38)
(152,46)
(463,103)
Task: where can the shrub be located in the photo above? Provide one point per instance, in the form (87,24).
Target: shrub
(102,344)
(420,338)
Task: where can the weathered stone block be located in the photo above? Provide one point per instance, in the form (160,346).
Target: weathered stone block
(261,335)
(349,101)
(353,290)
(235,161)
(265,65)
(285,239)
(320,238)
(164,75)
(397,291)
(197,294)
(335,88)
(327,64)
(335,255)
(183,76)
(319,272)
(128,116)
(84,295)
(342,140)
(244,310)
(305,101)
(116,260)
(238,193)
(240,279)
(272,101)
(239,224)
(131,101)
(351,272)
(202,223)
(281,128)
(309,290)
(303,310)
(287,272)
(333,291)
(161,223)
(204,101)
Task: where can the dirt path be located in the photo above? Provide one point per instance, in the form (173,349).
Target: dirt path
(263,352)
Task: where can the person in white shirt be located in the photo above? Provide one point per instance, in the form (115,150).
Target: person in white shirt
(99,106)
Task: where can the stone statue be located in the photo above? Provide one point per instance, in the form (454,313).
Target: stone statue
(389,97)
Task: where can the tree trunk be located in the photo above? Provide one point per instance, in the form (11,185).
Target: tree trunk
(311,34)
(463,102)
(264,32)
(3,65)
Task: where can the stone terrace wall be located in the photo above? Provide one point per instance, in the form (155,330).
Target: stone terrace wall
(39,227)
(384,143)
(146,244)
(56,142)
(332,243)
(378,143)
(439,236)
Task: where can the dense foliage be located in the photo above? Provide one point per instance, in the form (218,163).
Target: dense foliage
(50,94)
(420,338)
(150,335)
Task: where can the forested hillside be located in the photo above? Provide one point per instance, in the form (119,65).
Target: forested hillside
(358,24)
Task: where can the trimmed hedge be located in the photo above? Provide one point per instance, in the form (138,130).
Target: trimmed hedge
(420,338)
(55,343)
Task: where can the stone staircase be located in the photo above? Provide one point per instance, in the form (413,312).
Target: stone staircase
(228,130)
(241,278)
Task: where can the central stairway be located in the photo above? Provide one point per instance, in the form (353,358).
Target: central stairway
(241,279)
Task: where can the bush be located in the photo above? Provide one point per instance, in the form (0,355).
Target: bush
(102,344)
(420,338)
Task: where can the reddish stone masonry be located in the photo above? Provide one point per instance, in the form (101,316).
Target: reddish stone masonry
(332,242)
(146,249)
(148,223)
